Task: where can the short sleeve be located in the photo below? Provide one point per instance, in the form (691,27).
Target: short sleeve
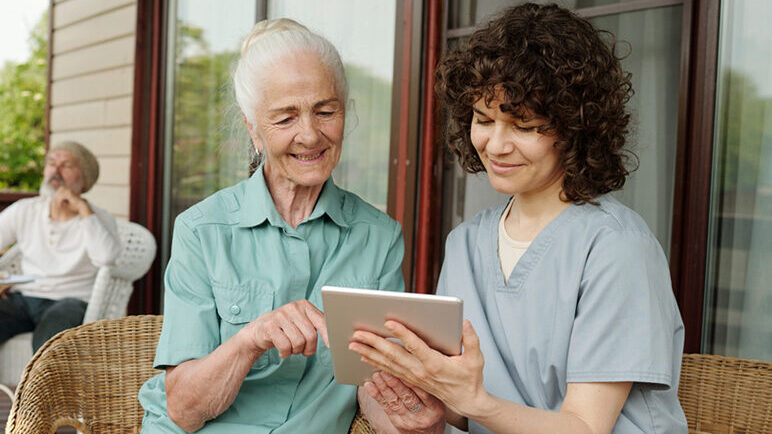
(191,325)
(626,322)
(391,278)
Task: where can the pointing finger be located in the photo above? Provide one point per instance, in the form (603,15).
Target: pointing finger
(319,321)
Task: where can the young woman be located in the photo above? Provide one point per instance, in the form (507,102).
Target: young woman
(572,324)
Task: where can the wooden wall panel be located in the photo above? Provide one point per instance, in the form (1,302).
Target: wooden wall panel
(91,91)
(114,171)
(113,199)
(94,114)
(78,10)
(108,142)
(94,87)
(108,55)
(101,28)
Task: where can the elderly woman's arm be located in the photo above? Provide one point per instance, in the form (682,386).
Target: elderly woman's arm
(200,390)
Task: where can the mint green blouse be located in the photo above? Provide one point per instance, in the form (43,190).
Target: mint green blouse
(233,259)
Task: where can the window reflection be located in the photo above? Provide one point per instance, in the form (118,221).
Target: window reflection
(206,144)
(204,151)
(738,295)
(652,44)
(363,33)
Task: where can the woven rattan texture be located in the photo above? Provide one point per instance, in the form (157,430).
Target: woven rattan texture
(88,377)
(360,425)
(726,395)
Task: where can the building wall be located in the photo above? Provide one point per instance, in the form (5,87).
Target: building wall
(93,43)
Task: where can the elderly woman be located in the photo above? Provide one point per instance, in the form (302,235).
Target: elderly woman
(573,327)
(244,344)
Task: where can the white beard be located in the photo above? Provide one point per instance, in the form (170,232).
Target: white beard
(47,190)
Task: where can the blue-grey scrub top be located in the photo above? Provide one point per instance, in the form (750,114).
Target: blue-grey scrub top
(589,301)
(233,259)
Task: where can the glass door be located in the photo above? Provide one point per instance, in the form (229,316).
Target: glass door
(206,147)
(364,34)
(651,41)
(738,298)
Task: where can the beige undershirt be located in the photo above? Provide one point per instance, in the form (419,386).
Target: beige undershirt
(510,251)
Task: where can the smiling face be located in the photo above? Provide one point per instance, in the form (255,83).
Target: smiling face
(62,169)
(518,158)
(299,124)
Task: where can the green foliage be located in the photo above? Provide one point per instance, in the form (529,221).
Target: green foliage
(745,121)
(22,113)
(364,162)
(202,160)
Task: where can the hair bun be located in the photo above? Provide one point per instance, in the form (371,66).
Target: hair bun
(269,27)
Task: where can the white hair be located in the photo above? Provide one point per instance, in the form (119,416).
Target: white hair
(268,42)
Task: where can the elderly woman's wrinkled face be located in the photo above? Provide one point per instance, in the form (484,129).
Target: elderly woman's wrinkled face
(299,124)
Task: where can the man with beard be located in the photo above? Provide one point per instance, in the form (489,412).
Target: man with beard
(63,241)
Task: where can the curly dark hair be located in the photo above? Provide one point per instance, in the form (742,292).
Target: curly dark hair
(546,61)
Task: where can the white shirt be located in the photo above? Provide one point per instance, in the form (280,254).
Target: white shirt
(65,256)
(510,251)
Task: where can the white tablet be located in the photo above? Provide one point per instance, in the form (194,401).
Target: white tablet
(436,319)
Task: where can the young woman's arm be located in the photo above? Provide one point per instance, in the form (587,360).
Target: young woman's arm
(589,408)
(457,381)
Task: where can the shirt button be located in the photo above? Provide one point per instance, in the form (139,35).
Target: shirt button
(235,310)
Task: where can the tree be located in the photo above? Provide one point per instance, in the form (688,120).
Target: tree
(22,115)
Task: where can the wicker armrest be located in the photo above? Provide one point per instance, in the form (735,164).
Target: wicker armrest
(722,394)
(88,377)
(360,425)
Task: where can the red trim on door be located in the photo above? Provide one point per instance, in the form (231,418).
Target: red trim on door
(404,120)
(428,227)
(146,155)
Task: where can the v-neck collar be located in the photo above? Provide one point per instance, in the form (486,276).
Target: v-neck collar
(532,255)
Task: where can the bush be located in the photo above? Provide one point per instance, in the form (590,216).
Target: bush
(22,116)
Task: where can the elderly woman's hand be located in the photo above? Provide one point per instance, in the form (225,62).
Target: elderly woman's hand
(292,329)
(457,381)
(409,408)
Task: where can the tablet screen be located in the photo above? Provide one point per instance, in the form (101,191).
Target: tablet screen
(436,319)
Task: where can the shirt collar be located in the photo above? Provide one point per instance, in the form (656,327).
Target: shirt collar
(258,205)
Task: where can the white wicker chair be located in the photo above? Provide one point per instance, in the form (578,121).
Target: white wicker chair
(112,289)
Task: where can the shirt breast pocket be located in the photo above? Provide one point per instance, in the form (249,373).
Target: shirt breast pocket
(237,305)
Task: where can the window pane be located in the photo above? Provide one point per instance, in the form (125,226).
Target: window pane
(363,33)
(654,61)
(206,143)
(469,13)
(654,38)
(738,297)
(201,154)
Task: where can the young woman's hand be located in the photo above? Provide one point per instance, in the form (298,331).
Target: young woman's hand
(457,381)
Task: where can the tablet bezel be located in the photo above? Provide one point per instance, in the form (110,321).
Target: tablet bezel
(436,319)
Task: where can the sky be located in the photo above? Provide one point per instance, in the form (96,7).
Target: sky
(17,18)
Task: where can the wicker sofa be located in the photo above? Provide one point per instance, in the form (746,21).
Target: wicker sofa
(88,377)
